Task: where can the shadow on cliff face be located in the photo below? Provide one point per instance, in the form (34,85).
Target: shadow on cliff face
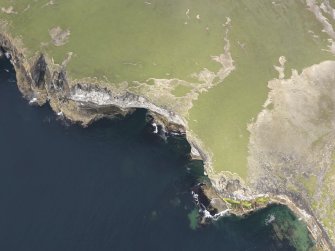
(138,125)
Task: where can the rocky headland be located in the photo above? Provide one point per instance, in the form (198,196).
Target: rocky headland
(41,81)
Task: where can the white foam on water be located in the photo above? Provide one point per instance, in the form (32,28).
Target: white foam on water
(7,54)
(156,128)
(205,212)
(217,216)
(32,101)
(195,197)
(271,218)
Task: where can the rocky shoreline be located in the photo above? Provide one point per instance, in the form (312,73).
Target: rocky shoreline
(42,81)
(213,205)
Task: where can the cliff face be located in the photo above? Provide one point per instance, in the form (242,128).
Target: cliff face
(81,102)
(42,81)
(40,73)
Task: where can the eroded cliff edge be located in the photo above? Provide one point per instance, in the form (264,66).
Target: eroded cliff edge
(42,81)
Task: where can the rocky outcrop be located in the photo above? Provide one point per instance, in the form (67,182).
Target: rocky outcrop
(292,142)
(40,73)
(23,76)
(41,81)
(79,102)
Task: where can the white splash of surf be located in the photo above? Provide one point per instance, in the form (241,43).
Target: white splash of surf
(205,212)
(155,128)
(195,197)
(7,54)
(271,218)
(33,101)
(216,216)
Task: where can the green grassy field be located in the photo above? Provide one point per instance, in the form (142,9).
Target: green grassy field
(132,40)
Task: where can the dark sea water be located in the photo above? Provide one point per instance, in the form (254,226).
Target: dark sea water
(111,186)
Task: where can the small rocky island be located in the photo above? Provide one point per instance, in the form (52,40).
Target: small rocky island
(249,84)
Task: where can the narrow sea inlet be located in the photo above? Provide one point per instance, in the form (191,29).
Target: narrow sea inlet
(111,186)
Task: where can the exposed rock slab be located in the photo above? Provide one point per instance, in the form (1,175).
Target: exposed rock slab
(292,142)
